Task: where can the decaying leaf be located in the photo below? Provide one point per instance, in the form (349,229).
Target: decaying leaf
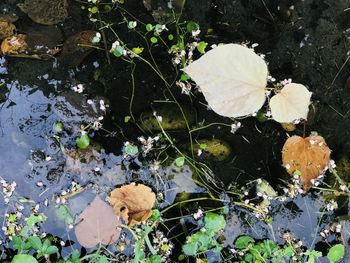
(98,224)
(133,203)
(77,47)
(291,103)
(14,45)
(46,12)
(289,127)
(43,40)
(310,156)
(232,78)
(7,29)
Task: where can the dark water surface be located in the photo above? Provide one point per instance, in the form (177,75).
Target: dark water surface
(308,43)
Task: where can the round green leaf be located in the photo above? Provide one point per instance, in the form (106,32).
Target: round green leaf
(170,37)
(83,141)
(21,258)
(154,40)
(149,27)
(201,47)
(192,26)
(243,241)
(118,51)
(190,249)
(94,10)
(131,149)
(180,161)
(336,253)
(214,222)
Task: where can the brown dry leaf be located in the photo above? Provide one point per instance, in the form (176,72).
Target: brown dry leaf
(46,12)
(310,156)
(98,224)
(7,29)
(14,45)
(42,40)
(133,203)
(77,47)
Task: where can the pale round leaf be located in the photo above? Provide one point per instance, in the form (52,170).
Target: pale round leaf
(98,224)
(291,103)
(232,78)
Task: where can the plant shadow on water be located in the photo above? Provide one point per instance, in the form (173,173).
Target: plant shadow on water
(42,112)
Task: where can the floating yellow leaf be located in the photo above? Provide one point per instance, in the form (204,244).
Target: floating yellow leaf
(98,224)
(133,203)
(310,156)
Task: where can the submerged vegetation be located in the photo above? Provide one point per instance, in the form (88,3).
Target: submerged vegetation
(154,131)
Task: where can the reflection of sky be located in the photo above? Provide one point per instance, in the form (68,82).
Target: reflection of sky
(3,69)
(23,127)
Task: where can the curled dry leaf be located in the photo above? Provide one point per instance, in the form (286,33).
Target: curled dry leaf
(7,29)
(133,203)
(98,224)
(77,47)
(46,12)
(310,156)
(14,45)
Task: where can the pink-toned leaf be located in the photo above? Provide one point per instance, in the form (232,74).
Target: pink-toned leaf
(98,224)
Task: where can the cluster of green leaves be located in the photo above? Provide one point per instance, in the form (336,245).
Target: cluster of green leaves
(202,241)
(26,243)
(24,246)
(142,239)
(262,251)
(268,251)
(184,32)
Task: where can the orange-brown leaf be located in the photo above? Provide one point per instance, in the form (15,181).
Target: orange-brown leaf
(133,202)
(310,156)
(7,29)
(14,45)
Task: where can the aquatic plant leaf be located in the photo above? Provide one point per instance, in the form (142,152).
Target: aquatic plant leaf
(46,12)
(310,156)
(232,78)
(98,224)
(291,103)
(242,242)
(133,203)
(22,258)
(180,161)
(14,45)
(214,222)
(83,141)
(336,253)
